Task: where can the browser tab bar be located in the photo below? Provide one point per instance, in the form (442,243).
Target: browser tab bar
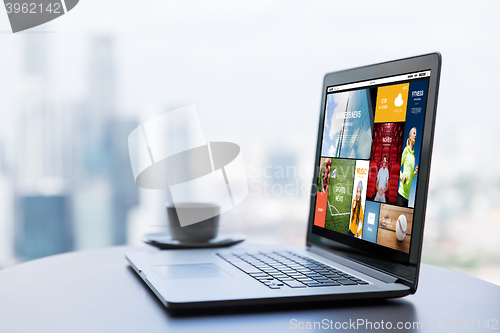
(412,76)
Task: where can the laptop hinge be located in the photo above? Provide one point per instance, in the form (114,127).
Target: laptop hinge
(354,265)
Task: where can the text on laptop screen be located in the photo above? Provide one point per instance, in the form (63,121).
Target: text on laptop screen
(370,154)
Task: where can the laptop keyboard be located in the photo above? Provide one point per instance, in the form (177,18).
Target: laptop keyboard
(280,269)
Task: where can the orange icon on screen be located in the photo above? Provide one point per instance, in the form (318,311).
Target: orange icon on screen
(391,103)
(320,216)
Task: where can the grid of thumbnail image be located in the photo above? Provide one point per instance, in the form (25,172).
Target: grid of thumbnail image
(369,166)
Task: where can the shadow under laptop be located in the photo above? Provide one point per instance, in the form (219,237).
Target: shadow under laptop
(369,310)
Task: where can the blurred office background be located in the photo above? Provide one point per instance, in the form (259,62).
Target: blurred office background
(73,89)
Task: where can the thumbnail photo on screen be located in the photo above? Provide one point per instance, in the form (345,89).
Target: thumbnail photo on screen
(358,199)
(410,157)
(385,162)
(394,227)
(333,204)
(348,125)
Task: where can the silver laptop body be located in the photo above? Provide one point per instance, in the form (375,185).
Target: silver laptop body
(376,126)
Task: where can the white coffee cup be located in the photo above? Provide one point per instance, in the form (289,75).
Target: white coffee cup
(198,232)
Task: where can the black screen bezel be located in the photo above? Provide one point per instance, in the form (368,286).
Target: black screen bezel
(406,270)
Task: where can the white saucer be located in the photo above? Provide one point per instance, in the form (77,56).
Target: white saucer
(164,241)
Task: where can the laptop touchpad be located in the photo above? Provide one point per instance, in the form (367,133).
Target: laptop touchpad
(190,271)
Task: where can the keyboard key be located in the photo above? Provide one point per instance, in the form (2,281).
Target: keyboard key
(321,271)
(277,276)
(234,259)
(259,275)
(294,284)
(280,267)
(331,284)
(333,270)
(247,268)
(298,276)
(261,266)
(285,279)
(267,260)
(306,281)
(313,275)
(264,278)
(322,279)
(333,276)
(271,271)
(347,276)
(346,282)
(273,281)
(229,257)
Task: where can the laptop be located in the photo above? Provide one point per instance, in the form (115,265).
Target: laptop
(367,204)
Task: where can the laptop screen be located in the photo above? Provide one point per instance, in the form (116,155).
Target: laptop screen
(368,165)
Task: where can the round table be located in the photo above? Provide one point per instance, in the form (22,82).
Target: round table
(96,291)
